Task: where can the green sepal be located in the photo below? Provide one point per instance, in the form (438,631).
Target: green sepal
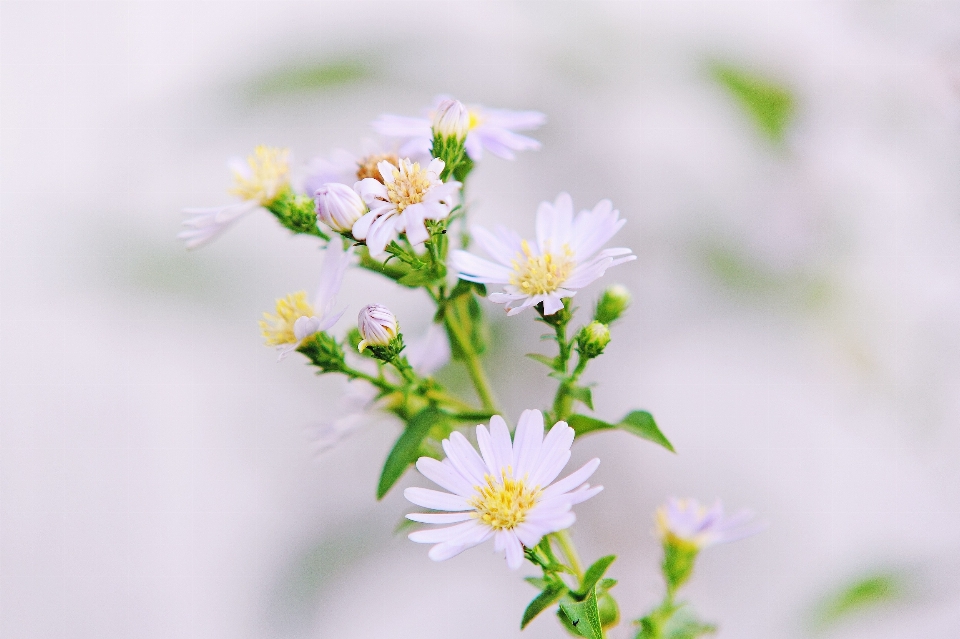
(406,450)
(679,558)
(297,213)
(546,360)
(537,582)
(584,616)
(581,394)
(404,525)
(541,602)
(593,575)
(638,422)
(606,584)
(324,352)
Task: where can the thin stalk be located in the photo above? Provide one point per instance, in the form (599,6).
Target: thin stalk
(570,552)
(474,368)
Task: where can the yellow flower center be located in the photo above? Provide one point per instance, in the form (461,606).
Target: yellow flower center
(410,185)
(269,169)
(278,329)
(541,274)
(504,505)
(474,119)
(367,167)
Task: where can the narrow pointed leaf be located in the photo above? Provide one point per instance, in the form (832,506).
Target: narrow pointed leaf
(582,394)
(406,450)
(642,424)
(543,359)
(540,603)
(593,575)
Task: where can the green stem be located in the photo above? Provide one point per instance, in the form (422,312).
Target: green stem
(570,552)
(470,359)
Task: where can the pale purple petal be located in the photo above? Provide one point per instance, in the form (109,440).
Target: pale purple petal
(526,443)
(436,500)
(572,480)
(440,518)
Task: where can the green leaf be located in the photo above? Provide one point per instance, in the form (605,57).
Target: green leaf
(406,450)
(642,424)
(768,103)
(546,360)
(584,616)
(593,575)
(404,525)
(416,279)
(862,594)
(638,422)
(582,394)
(540,603)
(537,582)
(606,584)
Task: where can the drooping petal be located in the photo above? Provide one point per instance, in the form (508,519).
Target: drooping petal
(514,550)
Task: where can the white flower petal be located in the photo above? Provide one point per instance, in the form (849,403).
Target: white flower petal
(440,518)
(476,269)
(526,443)
(464,458)
(445,476)
(572,480)
(439,535)
(486,451)
(502,445)
(495,247)
(514,550)
(435,500)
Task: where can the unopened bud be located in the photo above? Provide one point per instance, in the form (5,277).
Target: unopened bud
(612,304)
(452,120)
(592,339)
(380,332)
(339,206)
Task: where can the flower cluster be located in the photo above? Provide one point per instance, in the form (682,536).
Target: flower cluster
(389,209)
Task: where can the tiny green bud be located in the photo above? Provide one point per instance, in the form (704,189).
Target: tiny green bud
(609,610)
(592,339)
(324,352)
(612,304)
(452,120)
(679,557)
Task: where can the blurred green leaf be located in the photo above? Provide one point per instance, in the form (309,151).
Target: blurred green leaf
(582,394)
(310,77)
(546,360)
(407,449)
(863,594)
(638,422)
(769,104)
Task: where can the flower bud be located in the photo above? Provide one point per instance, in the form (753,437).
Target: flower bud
(339,206)
(612,304)
(452,120)
(380,332)
(592,339)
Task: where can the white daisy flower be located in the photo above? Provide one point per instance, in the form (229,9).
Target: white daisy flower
(298,319)
(258,181)
(685,522)
(506,492)
(346,168)
(400,202)
(492,129)
(564,257)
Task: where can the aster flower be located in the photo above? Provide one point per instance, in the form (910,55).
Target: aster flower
(564,257)
(347,168)
(296,318)
(492,129)
(507,492)
(258,182)
(400,202)
(687,523)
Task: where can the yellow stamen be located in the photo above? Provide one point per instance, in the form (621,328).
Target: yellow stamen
(474,119)
(541,274)
(278,329)
(504,505)
(269,169)
(410,185)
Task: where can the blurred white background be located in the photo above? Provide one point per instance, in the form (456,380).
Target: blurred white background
(795,330)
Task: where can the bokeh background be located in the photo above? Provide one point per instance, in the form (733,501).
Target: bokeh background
(789,172)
